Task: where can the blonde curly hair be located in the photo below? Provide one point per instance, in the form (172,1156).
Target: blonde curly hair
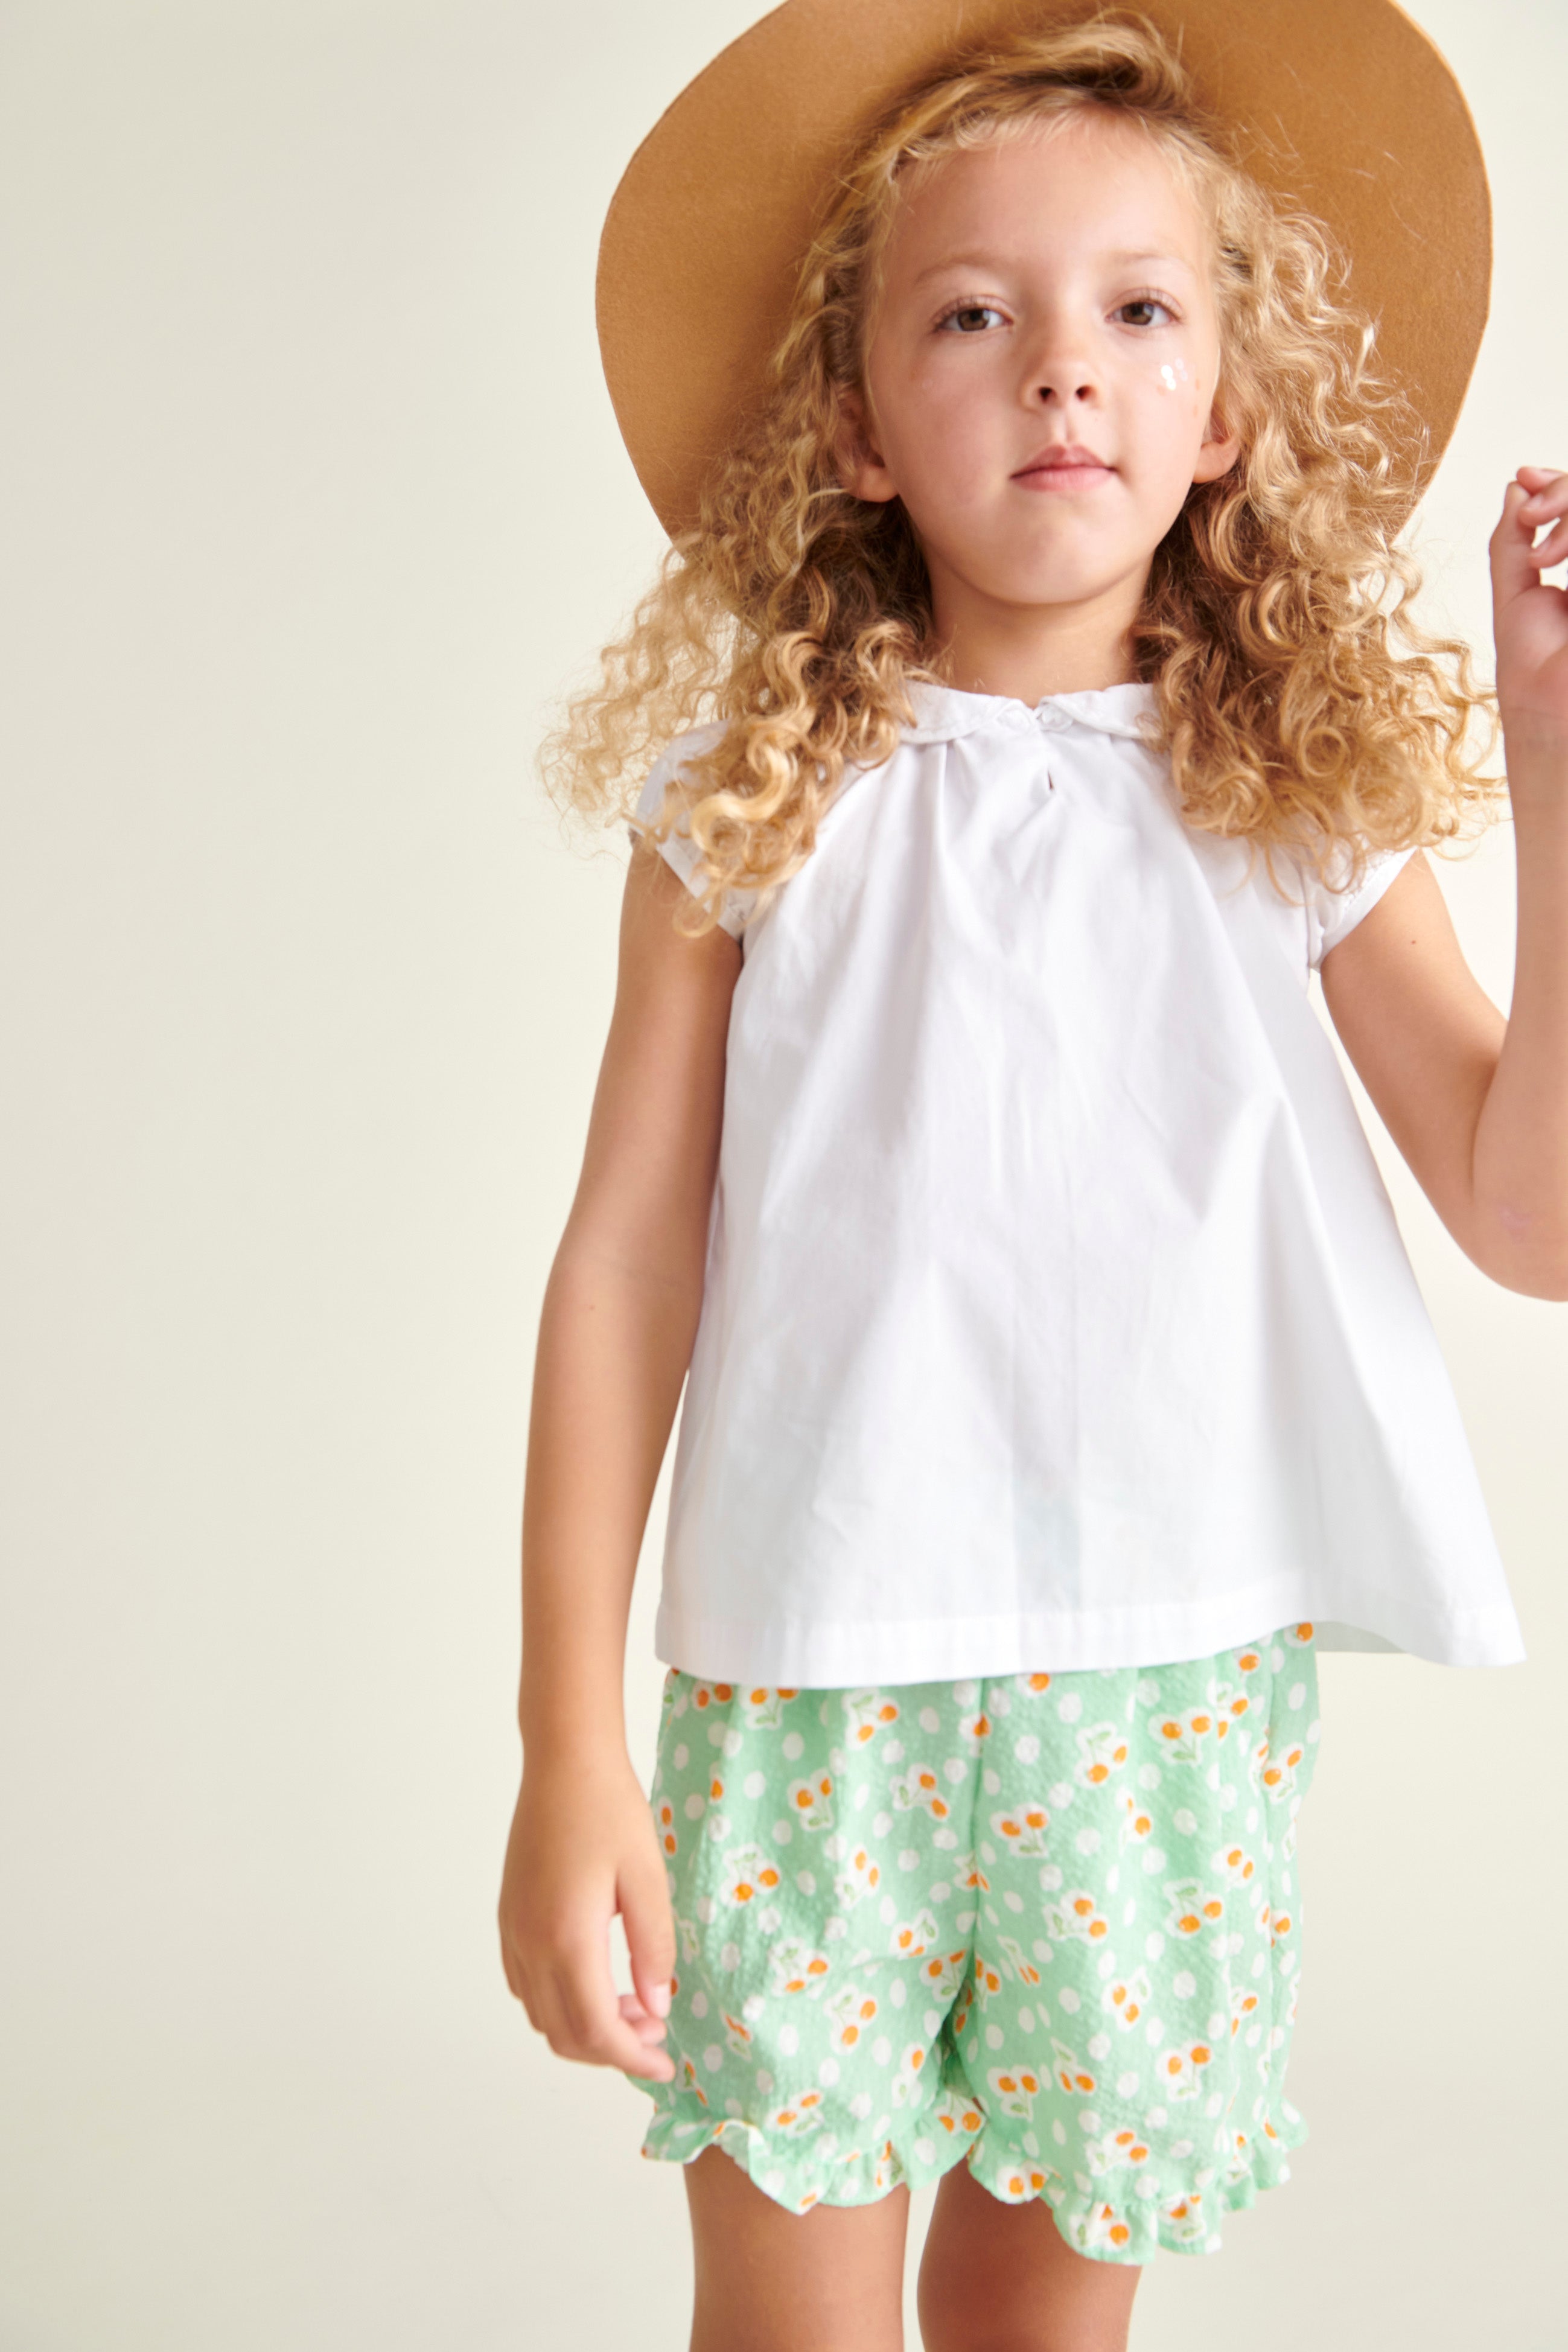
(792,618)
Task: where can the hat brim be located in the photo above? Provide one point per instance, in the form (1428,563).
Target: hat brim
(1343,108)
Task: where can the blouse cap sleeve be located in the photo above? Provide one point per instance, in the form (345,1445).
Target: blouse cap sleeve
(679,850)
(1333,915)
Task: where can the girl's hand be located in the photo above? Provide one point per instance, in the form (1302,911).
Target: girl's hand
(1529,620)
(583,1847)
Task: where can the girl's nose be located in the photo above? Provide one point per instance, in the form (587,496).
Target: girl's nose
(1059,368)
(1060,375)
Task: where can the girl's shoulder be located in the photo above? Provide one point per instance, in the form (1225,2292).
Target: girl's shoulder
(678,849)
(1320,909)
(689,745)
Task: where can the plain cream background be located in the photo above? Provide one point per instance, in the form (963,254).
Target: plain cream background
(312,499)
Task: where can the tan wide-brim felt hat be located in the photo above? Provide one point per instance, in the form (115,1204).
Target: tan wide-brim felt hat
(1343,108)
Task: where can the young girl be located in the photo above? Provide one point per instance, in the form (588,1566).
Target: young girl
(967,1142)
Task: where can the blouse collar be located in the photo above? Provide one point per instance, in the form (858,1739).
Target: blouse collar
(945,712)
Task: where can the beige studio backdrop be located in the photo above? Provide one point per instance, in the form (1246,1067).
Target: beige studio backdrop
(312,499)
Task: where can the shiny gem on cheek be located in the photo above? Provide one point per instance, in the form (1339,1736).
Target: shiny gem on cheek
(1174,374)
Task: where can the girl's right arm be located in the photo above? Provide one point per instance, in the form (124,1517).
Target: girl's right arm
(616,1335)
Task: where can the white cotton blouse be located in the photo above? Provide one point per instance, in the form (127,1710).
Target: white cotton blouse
(1054,1313)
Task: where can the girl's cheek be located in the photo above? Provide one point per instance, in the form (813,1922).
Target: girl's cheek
(1180,394)
(945,450)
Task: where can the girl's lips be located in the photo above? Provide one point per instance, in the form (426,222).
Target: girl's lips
(1063,478)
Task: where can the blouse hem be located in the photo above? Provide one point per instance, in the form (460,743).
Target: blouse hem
(829,1657)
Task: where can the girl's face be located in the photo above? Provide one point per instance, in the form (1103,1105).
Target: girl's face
(1047,294)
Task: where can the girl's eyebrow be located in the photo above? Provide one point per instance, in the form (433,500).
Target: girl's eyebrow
(993,260)
(1166,258)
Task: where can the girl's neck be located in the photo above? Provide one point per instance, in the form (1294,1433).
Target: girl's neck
(1029,651)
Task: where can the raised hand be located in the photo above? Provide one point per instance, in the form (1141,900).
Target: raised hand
(1529,620)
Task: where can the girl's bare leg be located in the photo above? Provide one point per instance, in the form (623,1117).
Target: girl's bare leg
(1002,2278)
(831,2280)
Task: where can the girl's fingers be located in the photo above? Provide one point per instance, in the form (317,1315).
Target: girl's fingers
(1536,500)
(583,2017)
(642,1892)
(1511,568)
(1545,495)
(647,2029)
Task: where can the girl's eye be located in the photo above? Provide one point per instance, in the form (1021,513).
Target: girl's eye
(970,318)
(1144,302)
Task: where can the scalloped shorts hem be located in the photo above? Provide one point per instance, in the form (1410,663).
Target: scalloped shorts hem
(1109,2221)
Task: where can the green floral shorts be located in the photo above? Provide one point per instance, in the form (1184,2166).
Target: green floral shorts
(1046,1923)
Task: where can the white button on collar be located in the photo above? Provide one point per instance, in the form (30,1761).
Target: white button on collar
(1048,715)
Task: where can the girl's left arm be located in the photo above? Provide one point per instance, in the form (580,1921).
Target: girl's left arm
(1477,1105)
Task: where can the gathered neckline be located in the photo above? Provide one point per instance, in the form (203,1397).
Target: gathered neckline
(946,712)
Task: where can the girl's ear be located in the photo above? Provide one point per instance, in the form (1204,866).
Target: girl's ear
(1218,452)
(862,470)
